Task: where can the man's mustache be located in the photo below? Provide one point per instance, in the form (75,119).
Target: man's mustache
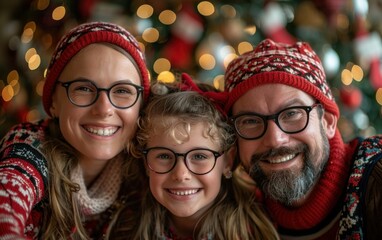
(274,152)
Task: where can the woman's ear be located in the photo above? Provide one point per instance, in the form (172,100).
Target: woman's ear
(330,124)
(52,111)
(53,108)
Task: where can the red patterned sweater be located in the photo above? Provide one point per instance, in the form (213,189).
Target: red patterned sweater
(23,189)
(331,214)
(23,176)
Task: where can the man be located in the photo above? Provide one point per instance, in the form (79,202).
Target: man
(315,185)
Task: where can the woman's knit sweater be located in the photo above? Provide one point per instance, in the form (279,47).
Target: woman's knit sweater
(24,185)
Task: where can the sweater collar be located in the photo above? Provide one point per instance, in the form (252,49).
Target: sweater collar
(103,192)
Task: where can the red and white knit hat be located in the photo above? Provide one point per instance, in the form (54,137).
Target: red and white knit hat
(294,65)
(86,34)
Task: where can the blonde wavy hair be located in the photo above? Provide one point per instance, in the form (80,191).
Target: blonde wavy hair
(62,217)
(235,213)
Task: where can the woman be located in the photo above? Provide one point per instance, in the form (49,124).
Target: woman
(61,177)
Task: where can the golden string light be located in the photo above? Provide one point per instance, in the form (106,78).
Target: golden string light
(206,8)
(167,17)
(58,13)
(145,11)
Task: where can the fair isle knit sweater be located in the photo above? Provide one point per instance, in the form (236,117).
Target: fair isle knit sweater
(336,208)
(24,181)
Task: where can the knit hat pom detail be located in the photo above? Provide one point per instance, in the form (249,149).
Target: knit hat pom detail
(82,36)
(294,65)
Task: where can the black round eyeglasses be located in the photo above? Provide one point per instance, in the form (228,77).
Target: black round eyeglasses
(84,93)
(199,161)
(252,126)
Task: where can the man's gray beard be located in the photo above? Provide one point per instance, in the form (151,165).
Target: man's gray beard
(286,186)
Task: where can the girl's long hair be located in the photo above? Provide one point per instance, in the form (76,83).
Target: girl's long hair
(235,213)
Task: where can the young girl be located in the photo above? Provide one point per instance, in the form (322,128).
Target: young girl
(192,193)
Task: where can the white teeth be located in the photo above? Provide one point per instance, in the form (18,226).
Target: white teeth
(282,159)
(102,131)
(184,193)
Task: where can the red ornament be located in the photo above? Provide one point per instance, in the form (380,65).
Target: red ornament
(351,97)
(330,8)
(281,35)
(273,22)
(369,51)
(375,74)
(86,7)
(186,32)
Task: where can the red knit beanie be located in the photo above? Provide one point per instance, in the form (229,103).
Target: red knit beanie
(294,65)
(80,37)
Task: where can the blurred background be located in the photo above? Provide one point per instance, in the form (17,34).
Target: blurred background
(201,38)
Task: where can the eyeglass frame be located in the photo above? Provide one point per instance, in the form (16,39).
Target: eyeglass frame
(275,118)
(184,155)
(66,85)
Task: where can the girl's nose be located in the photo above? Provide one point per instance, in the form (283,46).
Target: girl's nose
(180,172)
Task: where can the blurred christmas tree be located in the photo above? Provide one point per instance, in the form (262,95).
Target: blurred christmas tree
(201,37)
